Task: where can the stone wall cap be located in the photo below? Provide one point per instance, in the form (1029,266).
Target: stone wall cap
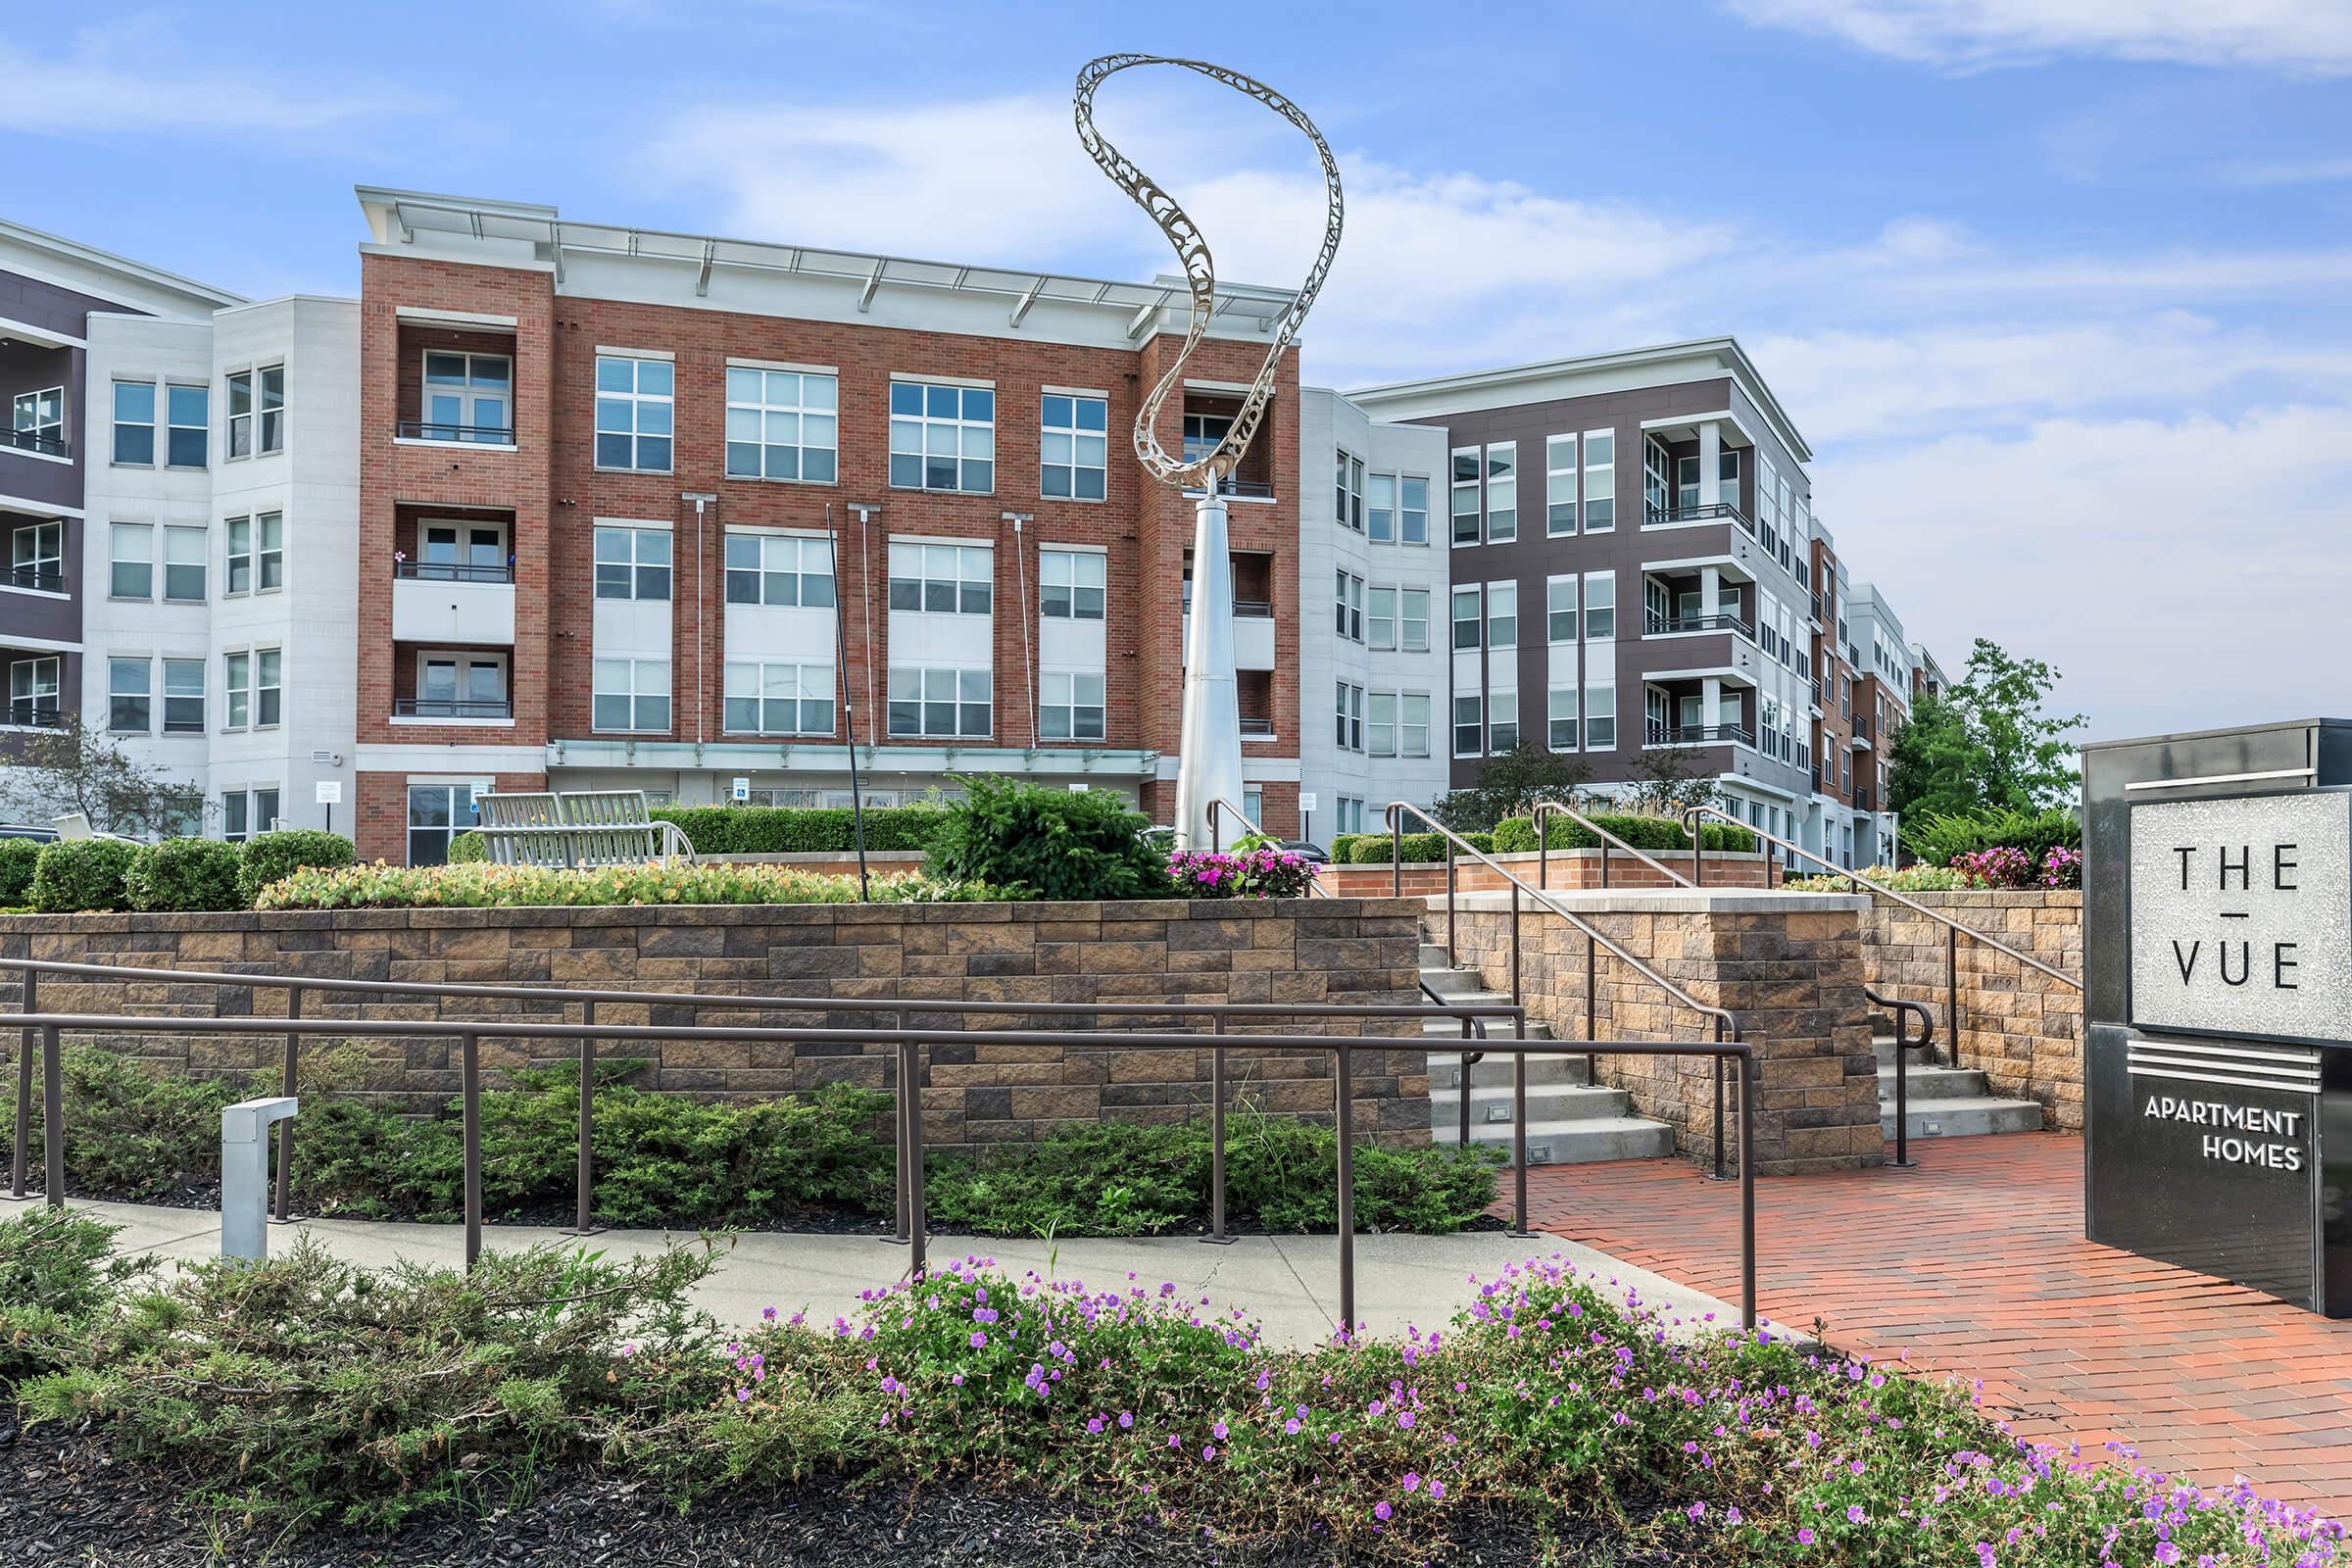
(1668,901)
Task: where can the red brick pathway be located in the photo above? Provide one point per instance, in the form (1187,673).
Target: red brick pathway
(1976,1262)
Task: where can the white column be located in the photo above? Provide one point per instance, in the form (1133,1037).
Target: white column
(1208,766)
(1710,701)
(1710,590)
(1710,464)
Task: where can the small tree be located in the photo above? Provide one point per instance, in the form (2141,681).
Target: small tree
(1511,785)
(1987,744)
(1667,782)
(77,768)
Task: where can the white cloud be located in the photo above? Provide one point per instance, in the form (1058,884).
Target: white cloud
(2304,36)
(2286,172)
(133,78)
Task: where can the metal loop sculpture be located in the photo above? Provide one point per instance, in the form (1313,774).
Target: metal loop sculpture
(1199,271)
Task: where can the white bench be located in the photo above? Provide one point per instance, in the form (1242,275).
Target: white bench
(577,830)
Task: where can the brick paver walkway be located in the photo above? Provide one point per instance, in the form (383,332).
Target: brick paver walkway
(1976,1262)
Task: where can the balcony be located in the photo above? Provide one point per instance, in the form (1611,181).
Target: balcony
(1861,736)
(34,579)
(447,707)
(1655,624)
(1253,634)
(488,435)
(1207,416)
(1258,729)
(457,384)
(47,444)
(473,605)
(1680,517)
(1656,734)
(33,712)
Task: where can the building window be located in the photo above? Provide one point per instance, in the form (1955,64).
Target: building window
(1465,495)
(632,564)
(945,704)
(1559,485)
(1380,723)
(37,556)
(1469,726)
(1074,707)
(437,813)
(273,378)
(265,688)
(1412,723)
(40,422)
(1600,606)
(765,568)
(1465,618)
(1349,624)
(268,406)
(245,813)
(943,437)
(183,566)
(32,692)
(130,561)
(778,698)
(1502,615)
(1600,481)
(1502,721)
(250,680)
(462,552)
(1070,584)
(469,397)
(782,425)
(240,415)
(462,686)
(1073,448)
(947,579)
(1351,702)
(256,555)
(1202,433)
(129,695)
(1412,516)
(631,694)
(1600,716)
(1380,509)
(184,696)
(635,413)
(134,424)
(189,417)
(1559,610)
(1560,714)
(1502,492)
(1412,629)
(1379,618)
(1348,502)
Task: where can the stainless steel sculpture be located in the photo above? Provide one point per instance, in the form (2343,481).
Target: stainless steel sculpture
(1210,762)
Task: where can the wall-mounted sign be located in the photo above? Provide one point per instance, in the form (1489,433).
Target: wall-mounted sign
(2241,915)
(739,788)
(331,791)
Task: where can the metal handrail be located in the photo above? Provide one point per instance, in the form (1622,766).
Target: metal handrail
(1218,804)
(1902,1080)
(1954,930)
(1727,1026)
(1546,809)
(1468,1059)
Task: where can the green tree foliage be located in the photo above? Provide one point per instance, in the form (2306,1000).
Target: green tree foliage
(271,855)
(77,768)
(1511,785)
(1987,743)
(1049,843)
(185,874)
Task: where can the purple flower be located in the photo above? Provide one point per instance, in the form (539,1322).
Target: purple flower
(1854,1514)
(978,1339)
(1382,1511)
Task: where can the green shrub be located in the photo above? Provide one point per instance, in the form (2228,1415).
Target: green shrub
(1517,835)
(478,885)
(1418,848)
(1049,843)
(185,874)
(1938,838)
(269,857)
(73,875)
(469,848)
(17,857)
(798,830)
(1910,879)
(57,1271)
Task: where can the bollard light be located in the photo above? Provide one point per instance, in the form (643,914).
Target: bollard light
(245,1174)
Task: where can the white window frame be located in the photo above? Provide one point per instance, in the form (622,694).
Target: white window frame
(1348,498)
(462,662)
(1501,469)
(1380,623)
(1406,621)
(40,413)
(641,684)
(970,431)
(146,427)
(461,816)
(249,811)
(1475,704)
(1380,509)
(812,684)
(1498,728)
(1599,483)
(1555,589)
(1468,498)
(263,563)
(30,681)
(37,562)
(1502,615)
(181,696)
(1406,510)
(911,563)
(1063,446)
(1561,709)
(143,534)
(934,687)
(647,579)
(1348,623)
(174,425)
(1380,723)
(778,569)
(809,399)
(1559,486)
(1348,708)
(117,667)
(1601,603)
(468,427)
(1408,704)
(1600,708)
(1074,703)
(1075,574)
(637,414)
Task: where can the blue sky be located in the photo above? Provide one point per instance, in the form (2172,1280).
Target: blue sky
(2057,290)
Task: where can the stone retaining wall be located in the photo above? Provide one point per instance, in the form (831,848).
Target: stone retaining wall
(1568,868)
(2021,1027)
(1343,951)
(1788,964)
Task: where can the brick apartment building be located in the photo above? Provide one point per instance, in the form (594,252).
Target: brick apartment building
(640,510)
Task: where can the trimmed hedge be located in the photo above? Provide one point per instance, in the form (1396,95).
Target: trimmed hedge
(1517,835)
(268,857)
(17,857)
(468,848)
(1418,848)
(75,876)
(1036,843)
(185,874)
(800,830)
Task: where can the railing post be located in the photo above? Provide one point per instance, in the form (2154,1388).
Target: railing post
(1344,1096)
(1604,863)
(1216,1138)
(285,1128)
(1951,992)
(1719,1105)
(1542,855)
(53,1115)
(1450,879)
(21,1165)
(1698,852)
(1517,997)
(1462,1102)
(917,1261)
(901,1137)
(1902,1093)
(1519,1130)
(1396,855)
(1748,1192)
(581,1224)
(1592,1010)
(469,1077)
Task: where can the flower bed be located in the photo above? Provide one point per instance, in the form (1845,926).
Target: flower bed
(478,885)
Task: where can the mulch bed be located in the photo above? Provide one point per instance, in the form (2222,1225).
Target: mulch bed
(64,1502)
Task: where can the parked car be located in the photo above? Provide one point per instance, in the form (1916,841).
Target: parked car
(25,830)
(1308,851)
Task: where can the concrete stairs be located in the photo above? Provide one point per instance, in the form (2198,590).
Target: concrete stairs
(1570,1120)
(1944,1102)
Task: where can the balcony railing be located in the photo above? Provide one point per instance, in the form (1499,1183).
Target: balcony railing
(487,435)
(1863,801)
(1699,735)
(53,445)
(1247,489)
(1658,624)
(1255,608)
(38,712)
(1861,730)
(1654,516)
(40,579)
(443,707)
(1258,729)
(451,572)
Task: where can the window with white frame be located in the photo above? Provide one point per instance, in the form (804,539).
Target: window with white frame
(1600,716)
(942,704)
(634,564)
(1380,723)
(450,551)
(1349,621)
(1600,606)
(630,694)
(32,685)
(188,427)
(1600,481)
(240,413)
(1073,445)
(130,561)
(1559,485)
(636,411)
(37,556)
(1560,608)
(1380,509)
(943,437)
(1469,725)
(1412,723)
(1072,583)
(1348,502)
(184,696)
(467,397)
(1502,492)
(1379,618)
(1502,721)
(1502,615)
(130,696)
(782,425)
(1466,497)
(765,696)
(461,685)
(134,424)
(245,813)
(767,569)
(1072,707)
(270,397)
(38,422)
(1466,616)
(1350,710)
(437,813)
(1412,621)
(1202,435)
(1561,718)
(945,579)
(185,565)
(256,553)
(1412,514)
(250,684)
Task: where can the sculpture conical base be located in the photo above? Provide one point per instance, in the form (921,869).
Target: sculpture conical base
(1208,766)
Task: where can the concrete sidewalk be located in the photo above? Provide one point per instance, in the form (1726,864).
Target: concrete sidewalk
(1290,1284)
